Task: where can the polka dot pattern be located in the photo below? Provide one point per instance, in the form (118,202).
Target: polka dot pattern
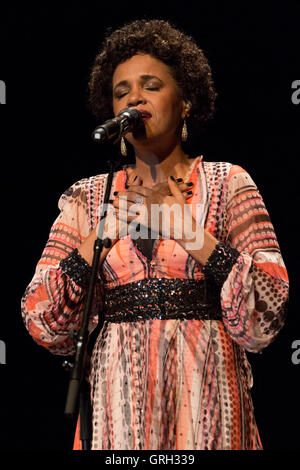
(168,384)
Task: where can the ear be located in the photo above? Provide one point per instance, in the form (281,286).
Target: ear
(186,108)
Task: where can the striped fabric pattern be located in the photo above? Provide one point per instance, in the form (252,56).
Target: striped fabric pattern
(168,384)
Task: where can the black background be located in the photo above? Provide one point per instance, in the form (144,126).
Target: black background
(46,52)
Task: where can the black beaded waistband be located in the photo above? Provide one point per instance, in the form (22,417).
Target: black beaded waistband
(163,299)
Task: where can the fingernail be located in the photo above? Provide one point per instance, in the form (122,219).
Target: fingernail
(190,184)
(179,180)
(172,178)
(115,193)
(110,201)
(189,193)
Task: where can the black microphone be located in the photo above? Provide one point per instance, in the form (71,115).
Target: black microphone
(127,120)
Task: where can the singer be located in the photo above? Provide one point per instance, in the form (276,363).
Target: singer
(169,367)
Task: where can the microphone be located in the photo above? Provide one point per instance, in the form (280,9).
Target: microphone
(127,120)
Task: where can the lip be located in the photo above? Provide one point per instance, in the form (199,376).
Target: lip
(145,114)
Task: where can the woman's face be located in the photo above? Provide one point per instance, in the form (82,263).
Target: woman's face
(145,83)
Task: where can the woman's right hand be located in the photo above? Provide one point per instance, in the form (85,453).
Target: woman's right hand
(111,229)
(159,199)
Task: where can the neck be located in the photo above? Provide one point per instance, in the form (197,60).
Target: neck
(155,166)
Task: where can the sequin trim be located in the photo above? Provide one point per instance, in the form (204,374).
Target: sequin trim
(77,268)
(163,299)
(220,263)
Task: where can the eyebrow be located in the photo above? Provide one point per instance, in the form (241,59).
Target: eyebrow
(144,78)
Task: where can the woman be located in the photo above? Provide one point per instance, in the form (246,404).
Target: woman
(169,367)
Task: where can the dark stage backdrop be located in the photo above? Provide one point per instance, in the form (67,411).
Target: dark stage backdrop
(46,52)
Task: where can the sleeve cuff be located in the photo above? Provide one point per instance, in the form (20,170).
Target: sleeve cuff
(76,268)
(220,263)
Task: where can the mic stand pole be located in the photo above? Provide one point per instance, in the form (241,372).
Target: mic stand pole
(77,383)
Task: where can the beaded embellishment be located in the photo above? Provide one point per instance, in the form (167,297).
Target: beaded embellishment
(77,268)
(220,263)
(163,299)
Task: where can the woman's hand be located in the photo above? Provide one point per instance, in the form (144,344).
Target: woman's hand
(163,209)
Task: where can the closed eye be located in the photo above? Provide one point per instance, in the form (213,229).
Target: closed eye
(149,88)
(120,95)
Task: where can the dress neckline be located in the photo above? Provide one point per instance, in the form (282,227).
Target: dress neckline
(185,178)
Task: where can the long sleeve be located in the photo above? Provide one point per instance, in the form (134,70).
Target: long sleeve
(53,302)
(254,296)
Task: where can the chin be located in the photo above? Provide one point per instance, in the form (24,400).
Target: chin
(139,138)
(139,134)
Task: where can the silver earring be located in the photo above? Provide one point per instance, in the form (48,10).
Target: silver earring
(123,147)
(184,132)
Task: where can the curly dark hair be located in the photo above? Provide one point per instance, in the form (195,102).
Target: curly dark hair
(162,41)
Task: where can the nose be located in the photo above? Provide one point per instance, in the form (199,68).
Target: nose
(135,97)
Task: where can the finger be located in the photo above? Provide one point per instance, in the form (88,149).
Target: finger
(125,197)
(131,207)
(163,188)
(137,181)
(175,190)
(121,202)
(126,216)
(185,186)
(188,194)
(137,190)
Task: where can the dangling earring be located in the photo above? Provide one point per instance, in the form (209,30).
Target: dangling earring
(123,147)
(184,132)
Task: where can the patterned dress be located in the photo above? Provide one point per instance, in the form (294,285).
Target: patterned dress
(168,384)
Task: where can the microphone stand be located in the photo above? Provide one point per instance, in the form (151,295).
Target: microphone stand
(78,386)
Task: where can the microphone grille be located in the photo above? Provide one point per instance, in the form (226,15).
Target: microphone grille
(132,113)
